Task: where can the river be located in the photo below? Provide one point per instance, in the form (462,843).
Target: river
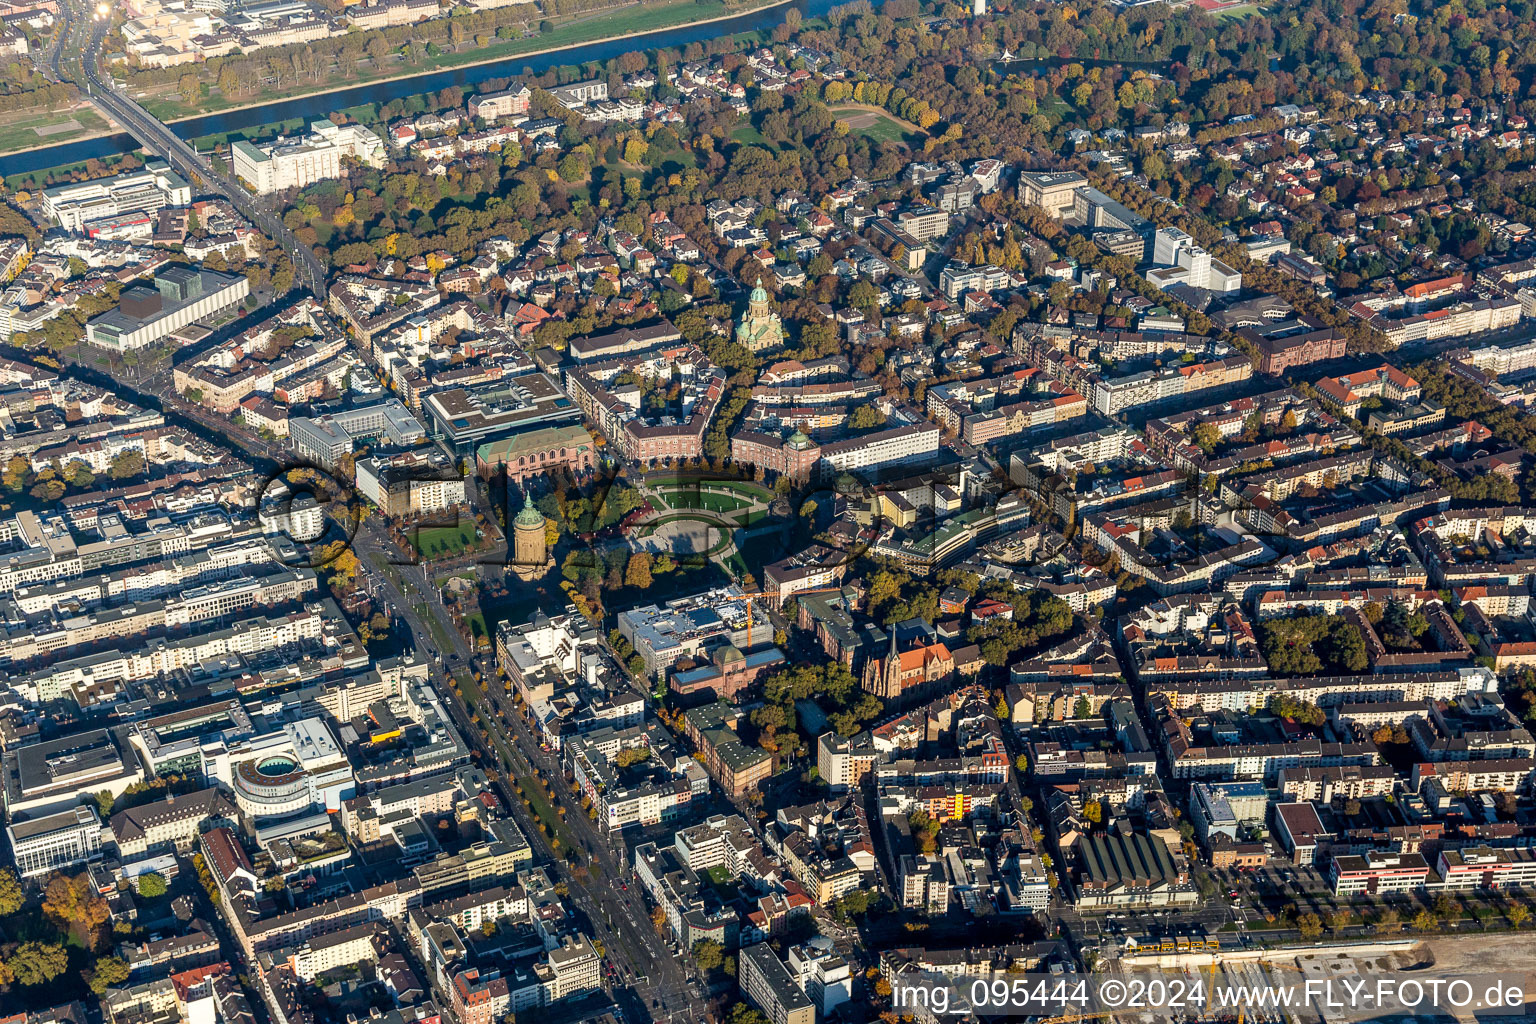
(320,105)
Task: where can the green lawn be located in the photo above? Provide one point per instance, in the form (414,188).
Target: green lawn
(1236,11)
(675,481)
(254,133)
(444,540)
(632,19)
(748,135)
(879,127)
(472,693)
(38,178)
(439,632)
(682,499)
(24,131)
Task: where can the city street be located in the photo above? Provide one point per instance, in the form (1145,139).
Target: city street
(617,917)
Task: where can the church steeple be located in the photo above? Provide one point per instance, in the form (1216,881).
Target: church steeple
(892,669)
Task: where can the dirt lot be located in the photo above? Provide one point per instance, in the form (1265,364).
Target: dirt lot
(1482,954)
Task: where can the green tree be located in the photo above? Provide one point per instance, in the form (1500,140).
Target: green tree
(11,895)
(78,475)
(1207,437)
(866,417)
(109,971)
(572,168)
(708,954)
(152,885)
(37,963)
(127,464)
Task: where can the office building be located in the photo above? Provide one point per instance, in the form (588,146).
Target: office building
(1097,210)
(331,436)
(55,842)
(466,418)
(1181,261)
(142,192)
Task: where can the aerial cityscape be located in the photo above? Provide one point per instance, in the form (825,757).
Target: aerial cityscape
(752,512)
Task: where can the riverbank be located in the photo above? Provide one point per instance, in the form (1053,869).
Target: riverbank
(754,23)
(641,19)
(75,124)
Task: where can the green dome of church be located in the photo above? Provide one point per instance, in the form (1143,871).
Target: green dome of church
(759,293)
(529,516)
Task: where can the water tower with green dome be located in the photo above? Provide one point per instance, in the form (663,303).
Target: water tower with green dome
(530,543)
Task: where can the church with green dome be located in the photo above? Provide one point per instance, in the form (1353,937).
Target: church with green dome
(760,327)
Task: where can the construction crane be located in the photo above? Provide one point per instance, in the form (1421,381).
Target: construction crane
(774,595)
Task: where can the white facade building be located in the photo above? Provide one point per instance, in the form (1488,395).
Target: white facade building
(1182,261)
(144,191)
(57,841)
(294,162)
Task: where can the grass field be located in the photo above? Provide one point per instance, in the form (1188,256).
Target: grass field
(673,482)
(25,131)
(876,125)
(748,135)
(681,499)
(635,18)
(443,540)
